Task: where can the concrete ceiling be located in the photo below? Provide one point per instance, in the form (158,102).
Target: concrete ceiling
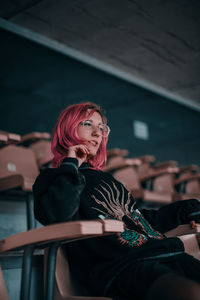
(154,44)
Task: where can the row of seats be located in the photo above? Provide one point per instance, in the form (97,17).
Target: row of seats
(39,142)
(151,181)
(21,159)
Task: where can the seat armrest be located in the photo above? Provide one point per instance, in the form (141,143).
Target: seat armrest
(62,232)
(147,158)
(156,173)
(189,177)
(32,137)
(122,163)
(165,164)
(112,226)
(183,230)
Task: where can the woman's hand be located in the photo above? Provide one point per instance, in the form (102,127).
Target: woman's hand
(193,224)
(80,152)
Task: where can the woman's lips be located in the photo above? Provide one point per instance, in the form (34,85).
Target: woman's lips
(93,143)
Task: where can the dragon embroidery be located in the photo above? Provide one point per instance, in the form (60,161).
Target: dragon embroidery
(116,205)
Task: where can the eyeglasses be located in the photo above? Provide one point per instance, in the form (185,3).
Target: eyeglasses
(103,129)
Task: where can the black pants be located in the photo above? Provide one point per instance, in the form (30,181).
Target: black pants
(136,279)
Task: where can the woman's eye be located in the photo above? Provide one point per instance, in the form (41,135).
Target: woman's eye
(87,124)
(101,128)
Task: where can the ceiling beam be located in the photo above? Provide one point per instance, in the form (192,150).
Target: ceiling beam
(91,61)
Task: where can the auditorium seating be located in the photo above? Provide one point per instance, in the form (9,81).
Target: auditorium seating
(43,154)
(7,138)
(155,183)
(21,157)
(40,143)
(151,182)
(52,237)
(189,236)
(17,174)
(33,137)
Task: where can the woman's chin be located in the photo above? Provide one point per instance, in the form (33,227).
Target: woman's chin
(90,156)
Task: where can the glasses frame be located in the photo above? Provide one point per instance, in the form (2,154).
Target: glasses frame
(95,126)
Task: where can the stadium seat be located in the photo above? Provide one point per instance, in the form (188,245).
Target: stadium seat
(52,236)
(43,154)
(189,236)
(188,185)
(40,143)
(32,137)
(133,182)
(17,174)
(116,152)
(7,138)
(118,161)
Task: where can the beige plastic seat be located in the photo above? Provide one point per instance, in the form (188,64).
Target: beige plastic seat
(165,182)
(52,236)
(135,173)
(145,166)
(66,286)
(17,174)
(43,154)
(188,170)
(190,238)
(3,290)
(117,162)
(18,168)
(7,138)
(117,159)
(32,137)
(189,185)
(40,143)
(149,165)
(133,182)
(116,152)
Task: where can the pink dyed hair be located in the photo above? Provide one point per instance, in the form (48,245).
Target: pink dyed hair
(65,133)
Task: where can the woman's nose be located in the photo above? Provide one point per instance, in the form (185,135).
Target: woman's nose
(95,131)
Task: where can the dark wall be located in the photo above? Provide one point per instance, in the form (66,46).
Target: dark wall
(36,83)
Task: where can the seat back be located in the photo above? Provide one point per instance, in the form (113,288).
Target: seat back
(66,286)
(191,244)
(33,137)
(193,187)
(128,177)
(190,238)
(3,290)
(145,166)
(63,281)
(7,138)
(18,168)
(43,154)
(164,184)
(114,163)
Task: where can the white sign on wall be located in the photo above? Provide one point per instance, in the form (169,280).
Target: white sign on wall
(140,130)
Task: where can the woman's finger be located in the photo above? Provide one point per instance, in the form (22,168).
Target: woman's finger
(193,224)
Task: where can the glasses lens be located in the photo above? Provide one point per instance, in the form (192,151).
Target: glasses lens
(105,130)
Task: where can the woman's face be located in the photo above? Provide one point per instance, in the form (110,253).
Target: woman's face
(90,131)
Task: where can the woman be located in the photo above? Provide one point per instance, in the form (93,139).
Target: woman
(140,263)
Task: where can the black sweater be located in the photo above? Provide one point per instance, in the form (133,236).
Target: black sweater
(68,193)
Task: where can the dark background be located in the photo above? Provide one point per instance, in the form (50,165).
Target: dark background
(36,83)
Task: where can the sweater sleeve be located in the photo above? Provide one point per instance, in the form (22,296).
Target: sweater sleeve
(57,193)
(174,214)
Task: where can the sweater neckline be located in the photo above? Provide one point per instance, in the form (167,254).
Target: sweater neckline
(85,165)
